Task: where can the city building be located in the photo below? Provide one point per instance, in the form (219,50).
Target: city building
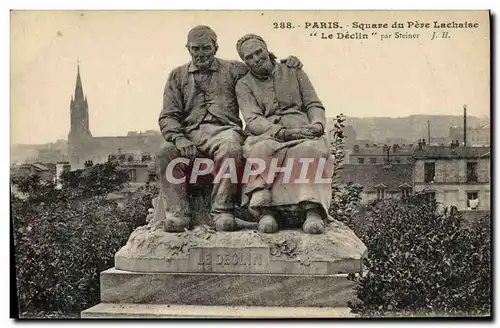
(438,141)
(82,146)
(476,136)
(46,172)
(396,141)
(373,154)
(379,181)
(454,175)
(139,170)
(348,132)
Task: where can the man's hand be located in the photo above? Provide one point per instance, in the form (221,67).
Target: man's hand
(186,147)
(316,128)
(292,62)
(299,133)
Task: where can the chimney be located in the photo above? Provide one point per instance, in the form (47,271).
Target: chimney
(465,125)
(61,167)
(386,149)
(429,132)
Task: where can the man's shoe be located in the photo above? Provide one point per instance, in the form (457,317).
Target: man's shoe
(177,224)
(224,222)
(268,224)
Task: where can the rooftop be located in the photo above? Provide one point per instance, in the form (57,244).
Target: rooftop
(378,150)
(447,152)
(370,176)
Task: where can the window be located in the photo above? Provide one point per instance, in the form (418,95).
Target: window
(361,160)
(405,193)
(471,172)
(373,160)
(132,175)
(472,200)
(397,160)
(431,196)
(380,193)
(429,172)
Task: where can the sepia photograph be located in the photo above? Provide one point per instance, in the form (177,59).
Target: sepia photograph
(250,164)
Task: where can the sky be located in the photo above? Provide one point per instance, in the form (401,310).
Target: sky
(125,58)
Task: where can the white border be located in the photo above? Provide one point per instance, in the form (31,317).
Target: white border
(191,5)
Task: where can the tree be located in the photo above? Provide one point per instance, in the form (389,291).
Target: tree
(345,199)
(98,181)
(422,260)
(65,237)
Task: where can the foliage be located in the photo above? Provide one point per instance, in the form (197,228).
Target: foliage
(422,260)
(33,188)
(345,202)
(338,144)
(345,199)
(96,181)
(65,237)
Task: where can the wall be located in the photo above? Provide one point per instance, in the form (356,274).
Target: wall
(46,176)
(369,196)
(450,182)
(456,194)
(453,170)
(404,158)
(98,149)
(141,172)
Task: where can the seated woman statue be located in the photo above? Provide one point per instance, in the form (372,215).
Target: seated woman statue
(285,124)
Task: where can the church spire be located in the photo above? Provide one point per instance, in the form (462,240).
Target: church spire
(78,87)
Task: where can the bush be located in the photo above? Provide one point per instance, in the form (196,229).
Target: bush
(65,238)
(346,199)
(422,260)
(346,202)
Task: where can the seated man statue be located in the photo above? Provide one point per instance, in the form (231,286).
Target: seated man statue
(285,124)
(200,118)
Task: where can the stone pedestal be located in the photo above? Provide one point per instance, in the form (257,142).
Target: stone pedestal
(154,311)
(228,289)
(204,268)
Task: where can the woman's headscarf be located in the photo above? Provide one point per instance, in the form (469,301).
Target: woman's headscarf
(239,44)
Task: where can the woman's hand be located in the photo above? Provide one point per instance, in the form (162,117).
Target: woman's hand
(299,133)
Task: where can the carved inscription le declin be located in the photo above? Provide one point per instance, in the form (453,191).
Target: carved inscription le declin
(233,257)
